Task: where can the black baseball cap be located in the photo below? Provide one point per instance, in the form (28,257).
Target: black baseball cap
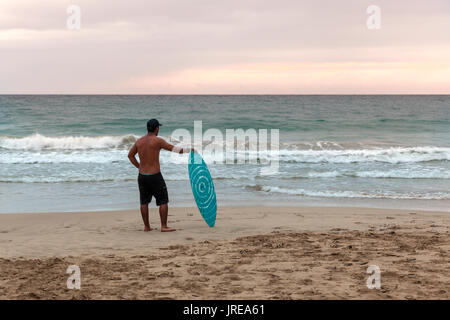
(152,124)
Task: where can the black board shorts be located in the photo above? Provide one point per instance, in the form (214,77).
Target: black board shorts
(152,185)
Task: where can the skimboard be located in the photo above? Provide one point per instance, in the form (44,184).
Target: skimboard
(202,188)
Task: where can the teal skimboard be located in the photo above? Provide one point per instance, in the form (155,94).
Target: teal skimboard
(202,188)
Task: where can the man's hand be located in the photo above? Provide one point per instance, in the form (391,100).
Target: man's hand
(181,150)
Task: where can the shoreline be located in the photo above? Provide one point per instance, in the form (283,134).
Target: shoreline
(413,205)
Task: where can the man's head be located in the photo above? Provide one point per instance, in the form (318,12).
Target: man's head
(153,126)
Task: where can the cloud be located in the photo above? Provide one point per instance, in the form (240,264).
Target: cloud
(121,44)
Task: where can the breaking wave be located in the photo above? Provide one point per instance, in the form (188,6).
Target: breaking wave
(381,194)
(36,149)
(389,155)
(38,142)
(423,173)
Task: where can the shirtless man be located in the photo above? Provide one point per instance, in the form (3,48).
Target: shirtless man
(150,180)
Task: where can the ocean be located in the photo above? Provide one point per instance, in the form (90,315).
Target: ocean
(69,152)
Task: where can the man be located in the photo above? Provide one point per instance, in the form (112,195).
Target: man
(150,180)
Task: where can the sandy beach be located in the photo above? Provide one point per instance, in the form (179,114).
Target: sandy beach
(251,253)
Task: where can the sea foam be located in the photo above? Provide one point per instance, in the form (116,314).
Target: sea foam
(37,142)
(380,194)
(34,148)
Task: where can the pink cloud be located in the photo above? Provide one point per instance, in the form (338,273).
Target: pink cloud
(288,46)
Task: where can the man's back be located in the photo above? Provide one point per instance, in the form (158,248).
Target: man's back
(148,148)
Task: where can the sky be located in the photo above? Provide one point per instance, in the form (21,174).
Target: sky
(224,47)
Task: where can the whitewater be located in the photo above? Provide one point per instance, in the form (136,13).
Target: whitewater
(381,151)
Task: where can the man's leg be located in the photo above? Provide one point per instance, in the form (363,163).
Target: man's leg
(163,212)
(144,213)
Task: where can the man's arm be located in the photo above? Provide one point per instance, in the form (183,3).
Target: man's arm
(132,156)
(170,147)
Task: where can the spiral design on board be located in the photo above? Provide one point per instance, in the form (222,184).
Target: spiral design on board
(203,189)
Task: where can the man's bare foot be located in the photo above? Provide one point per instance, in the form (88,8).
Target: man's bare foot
(147,229)
(167,229)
